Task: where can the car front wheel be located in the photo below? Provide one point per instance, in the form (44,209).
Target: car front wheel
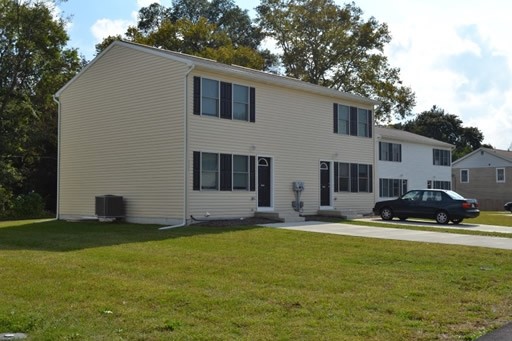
(442,217)
(386,213)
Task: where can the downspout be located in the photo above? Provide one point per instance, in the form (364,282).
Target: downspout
(57,207)
(185,151)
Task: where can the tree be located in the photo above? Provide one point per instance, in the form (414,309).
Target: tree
(445,127)
(323,43)
(34,64)
(218,30)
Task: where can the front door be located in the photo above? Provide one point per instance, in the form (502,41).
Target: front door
(264,182)
(325,183)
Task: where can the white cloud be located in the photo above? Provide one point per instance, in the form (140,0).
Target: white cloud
(103,28)
(146,3)
(454,54)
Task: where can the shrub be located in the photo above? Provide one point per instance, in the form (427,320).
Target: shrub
(29,205)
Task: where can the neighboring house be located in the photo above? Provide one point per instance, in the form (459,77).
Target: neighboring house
(180,136)
(406,161)
(485,174)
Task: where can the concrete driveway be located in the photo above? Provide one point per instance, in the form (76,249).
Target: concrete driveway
(408,235)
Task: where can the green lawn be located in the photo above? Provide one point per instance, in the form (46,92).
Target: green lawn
(92,281)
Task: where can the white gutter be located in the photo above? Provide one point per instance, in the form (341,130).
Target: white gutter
(185,151)
(57,208)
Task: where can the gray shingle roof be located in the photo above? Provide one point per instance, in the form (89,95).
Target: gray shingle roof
(387,133)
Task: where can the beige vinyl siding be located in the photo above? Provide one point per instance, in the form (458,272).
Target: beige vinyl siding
(122,133)
(293,127)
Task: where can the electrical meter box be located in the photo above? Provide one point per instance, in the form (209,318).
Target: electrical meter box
(298,186)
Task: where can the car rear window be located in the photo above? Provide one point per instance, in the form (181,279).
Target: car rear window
(454,195)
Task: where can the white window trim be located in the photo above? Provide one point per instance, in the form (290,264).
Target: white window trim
(504,179)
(467,171)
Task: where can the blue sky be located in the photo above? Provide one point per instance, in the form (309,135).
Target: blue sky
(455,54)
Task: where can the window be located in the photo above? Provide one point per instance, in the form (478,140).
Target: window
(353,177)
(240,172)
(343,119)
(224,100)
(442,157)
(224,172)
(363,177)
(362,122)
(210,97)
(390,152)
(464,175)
(352,121)
(344,177)
(390,188)
(209,171)
(442,185)
(500,174)
(240,102)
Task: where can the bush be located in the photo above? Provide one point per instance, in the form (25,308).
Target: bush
(29,205)
(5,202)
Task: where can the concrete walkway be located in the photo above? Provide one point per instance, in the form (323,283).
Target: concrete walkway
(408,235)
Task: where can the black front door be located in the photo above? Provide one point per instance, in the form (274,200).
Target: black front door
(264,182)
(325,183)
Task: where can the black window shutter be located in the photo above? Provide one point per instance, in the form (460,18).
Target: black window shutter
(197,95)
(400,156)
(353,121)
(370,178)
(335,117)
(196,171)
(370,123)
(252,173)
(354,174)
(380,150)
(225,100)
(336,180)
(225,172)
(252,104)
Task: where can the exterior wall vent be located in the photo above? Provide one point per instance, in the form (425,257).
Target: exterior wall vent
(109,206)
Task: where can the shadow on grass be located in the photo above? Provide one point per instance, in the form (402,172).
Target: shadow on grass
(63,236)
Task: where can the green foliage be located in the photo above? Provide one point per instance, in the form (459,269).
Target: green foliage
(445,127)
(34,64)
(218,30)
(331,45)
(29,205)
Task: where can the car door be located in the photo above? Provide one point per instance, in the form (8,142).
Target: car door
(408,205)
(429,204)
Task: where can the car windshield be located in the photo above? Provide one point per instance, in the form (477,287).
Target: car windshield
(454,195)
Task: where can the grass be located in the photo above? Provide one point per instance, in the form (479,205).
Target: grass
(92,281)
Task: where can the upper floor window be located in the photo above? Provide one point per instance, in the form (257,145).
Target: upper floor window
(500,174)
(224,100)
(209,97)
(352,121)
(441,157)
(464,175)
(343,119)
(390,151)
(362,122)
(240,102)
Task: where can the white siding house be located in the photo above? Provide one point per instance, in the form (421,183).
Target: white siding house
(179,136)
(406,161)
